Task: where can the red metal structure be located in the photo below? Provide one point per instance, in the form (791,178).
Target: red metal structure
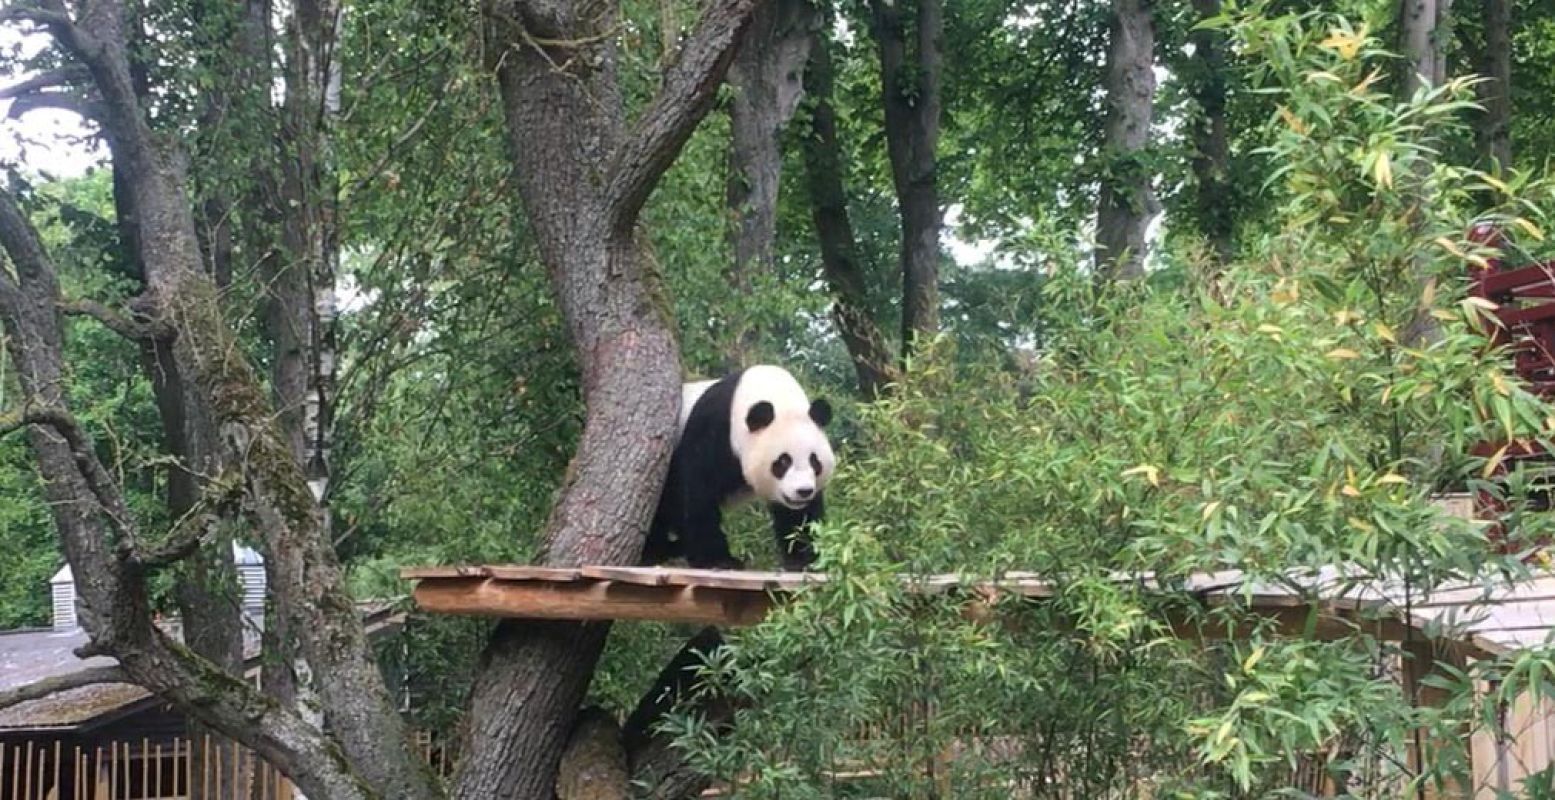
(1525,305)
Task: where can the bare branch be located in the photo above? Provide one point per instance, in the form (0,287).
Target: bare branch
(28,416)
(143,329)
(63,101)
(689,87)
(92,470)
(54,17)
(50,79)
(61,683)
(194,528)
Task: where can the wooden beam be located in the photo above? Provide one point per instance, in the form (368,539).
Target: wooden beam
(593,600)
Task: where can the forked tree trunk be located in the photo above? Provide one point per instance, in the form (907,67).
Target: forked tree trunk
(910,92)
(371,753)
(766,76)
(822,150)
(1127,203)
(1493,128)
(582,179)
(207,591)
(1211,141)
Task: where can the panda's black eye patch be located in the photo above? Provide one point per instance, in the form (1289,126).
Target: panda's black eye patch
(781,465)
(815,464)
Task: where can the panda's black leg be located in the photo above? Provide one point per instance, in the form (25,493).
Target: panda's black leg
(659,548)
(703,541)
(791,527)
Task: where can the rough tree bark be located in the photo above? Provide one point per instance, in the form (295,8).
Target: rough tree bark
(1493,131)
(107,554)
(871,355)
(654,762)
(309,586)
(299,198)
(1211,140)
(1422,40)
(766,75)
(582,179)
(910,93)
(1126,202)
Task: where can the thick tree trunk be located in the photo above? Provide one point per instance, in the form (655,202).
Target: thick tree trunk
(1493,131)
(1127,203)
(207,592)
(766,75)
(1211,141)
(582,178)
(1423,42)
(822,150)
(655,763)
(910,93)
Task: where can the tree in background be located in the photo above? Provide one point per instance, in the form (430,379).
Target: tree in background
(468,361)
(910,89)
(1126,203)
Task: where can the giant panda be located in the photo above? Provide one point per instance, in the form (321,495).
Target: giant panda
(751,435)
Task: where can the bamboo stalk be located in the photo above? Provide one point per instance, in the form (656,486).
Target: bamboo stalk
(159,770)
(145,768)
(59,791)
(27,772)
(237,761)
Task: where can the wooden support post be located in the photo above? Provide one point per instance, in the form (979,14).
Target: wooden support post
(1420,659)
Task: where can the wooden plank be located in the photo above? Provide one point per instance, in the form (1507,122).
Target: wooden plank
(598,600)
(508,571)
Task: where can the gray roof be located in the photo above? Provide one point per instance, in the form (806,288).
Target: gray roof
(29,656)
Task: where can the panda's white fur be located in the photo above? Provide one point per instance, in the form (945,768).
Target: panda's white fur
(791,431)
(751,435)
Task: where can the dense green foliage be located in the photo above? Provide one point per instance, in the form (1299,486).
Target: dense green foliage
(1267,415)
(1268,418)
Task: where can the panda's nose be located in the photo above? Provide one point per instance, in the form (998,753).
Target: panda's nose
(804,493)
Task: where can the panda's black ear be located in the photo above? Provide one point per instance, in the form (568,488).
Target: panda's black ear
(820,411)
(759,416)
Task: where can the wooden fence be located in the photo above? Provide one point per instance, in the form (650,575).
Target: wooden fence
(149,769)
(143,770)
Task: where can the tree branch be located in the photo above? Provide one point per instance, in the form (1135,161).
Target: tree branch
(61,683)
(687,94)
(63,101)
(92,471)
(193,528)
(50,79)
(142,329)
(53,17)
(16,420)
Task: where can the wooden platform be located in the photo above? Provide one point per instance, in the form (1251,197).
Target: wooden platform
(1472,621)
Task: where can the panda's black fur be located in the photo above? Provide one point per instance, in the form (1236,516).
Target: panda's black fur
(705,476)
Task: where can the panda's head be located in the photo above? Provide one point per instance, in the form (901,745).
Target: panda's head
(787,459)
